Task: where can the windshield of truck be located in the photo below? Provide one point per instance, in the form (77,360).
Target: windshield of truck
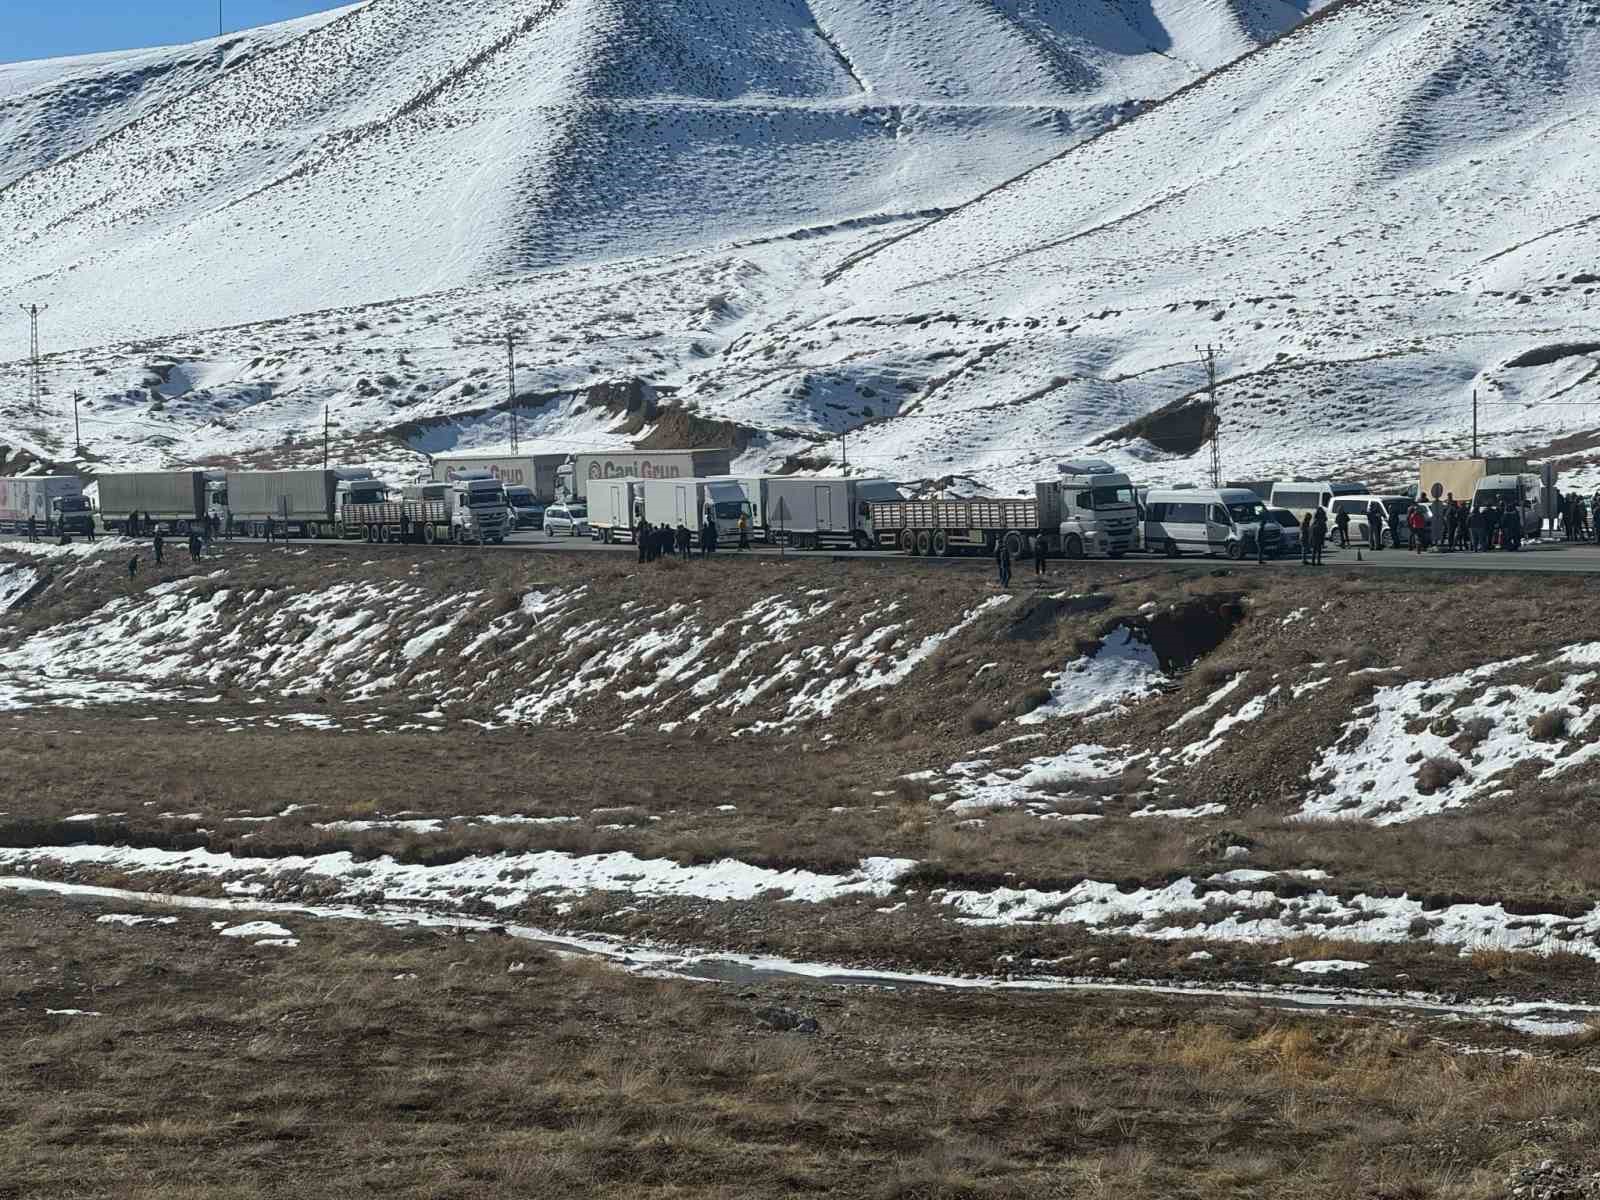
(74,504)
(220,498)
(1247,512)
(731,510)
(366,495)
(488,495)
(1110,497)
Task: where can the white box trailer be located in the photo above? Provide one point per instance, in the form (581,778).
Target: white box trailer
(812,513)
(675,502)
(615,509)
(575,476)
(55,503)
(172,501)
(536,472)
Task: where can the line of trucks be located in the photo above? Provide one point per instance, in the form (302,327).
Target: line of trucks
(1088,510)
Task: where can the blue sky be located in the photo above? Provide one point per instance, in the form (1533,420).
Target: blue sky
(49,28)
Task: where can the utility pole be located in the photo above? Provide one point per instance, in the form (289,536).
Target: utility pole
(844,451)
(219,18)
(77,433)
(511,375)
(324,437)
(1208,359)
(35,371)
(1474,422)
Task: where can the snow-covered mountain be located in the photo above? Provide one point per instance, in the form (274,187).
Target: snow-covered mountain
(980,234)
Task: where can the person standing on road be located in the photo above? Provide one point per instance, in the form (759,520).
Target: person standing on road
(642,535)
(1342,523)
(1478,527)
(161,546)
(1594,517)
(1261,539)
(1305,539)
(744,532)
(33,528)
(1002,561)
(1319,536)
(708,539)
(194,546)
(1377,522)
(685,541)
(1416,522)
(1041,551)
(1510,526)
(133,566)
(228,526)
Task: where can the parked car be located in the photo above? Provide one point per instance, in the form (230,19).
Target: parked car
(566,520)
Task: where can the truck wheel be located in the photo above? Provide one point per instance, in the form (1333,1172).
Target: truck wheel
(862,541)
(428,534)
(181,529)
(1016,544)
(1074,546)
(338,530)
(908,541)
(924,543)
(940,544)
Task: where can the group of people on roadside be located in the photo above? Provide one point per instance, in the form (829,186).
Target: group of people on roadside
(1002,559)
(659,541)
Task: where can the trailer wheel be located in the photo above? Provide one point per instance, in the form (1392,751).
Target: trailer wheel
(1015,544)
(908,541)
(940,544)
(924,543)
(338,530)
(1074,546)
(428,534)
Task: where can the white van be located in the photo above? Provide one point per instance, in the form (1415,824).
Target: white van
(1204,520)
(1303,499)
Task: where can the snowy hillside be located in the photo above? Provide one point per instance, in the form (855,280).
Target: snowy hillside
(1384,211)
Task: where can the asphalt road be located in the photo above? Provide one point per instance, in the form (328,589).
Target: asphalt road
(1549,557)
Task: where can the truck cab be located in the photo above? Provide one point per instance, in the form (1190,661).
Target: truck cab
(478,508)
(360,491)
(1097,508)
(72,515)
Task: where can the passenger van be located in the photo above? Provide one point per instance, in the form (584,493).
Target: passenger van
(1303,499)
(1205,521)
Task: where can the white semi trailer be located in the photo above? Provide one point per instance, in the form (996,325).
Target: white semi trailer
(811,513)
(574,477)
(54,503)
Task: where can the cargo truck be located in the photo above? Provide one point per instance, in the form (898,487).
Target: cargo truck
(1088,511)
(536,472)
(692,502)
(574,476)
(616,507)
(467,509)
(811,513)
(55,503)
(171,501)
(303,503)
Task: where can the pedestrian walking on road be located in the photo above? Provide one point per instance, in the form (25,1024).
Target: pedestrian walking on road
(160,544)
(1305,540)
(33,528)
(1002,560)
(1041,551)
(1319,536)
(1341,522)
(1377,522)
